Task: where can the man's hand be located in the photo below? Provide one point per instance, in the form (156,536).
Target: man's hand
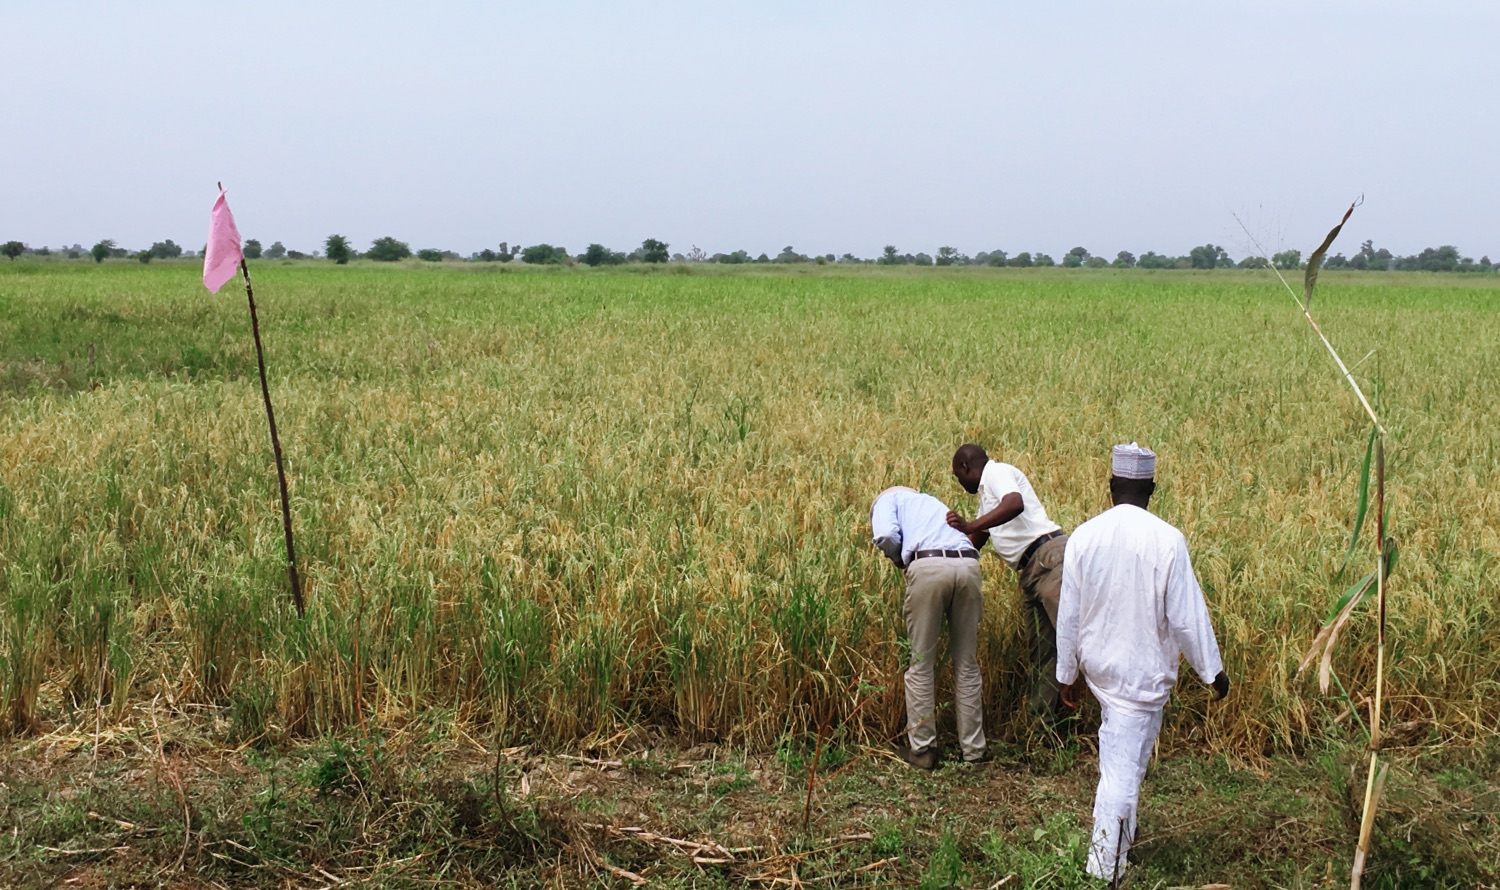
(1221,686)
(957,522)
(1069,693)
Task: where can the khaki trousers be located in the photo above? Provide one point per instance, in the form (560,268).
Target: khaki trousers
(1041,584)
(940,589)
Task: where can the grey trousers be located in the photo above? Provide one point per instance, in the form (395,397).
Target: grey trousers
(1041,584)
(940,589)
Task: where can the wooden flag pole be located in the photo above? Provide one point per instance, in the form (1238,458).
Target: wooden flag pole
(265,392)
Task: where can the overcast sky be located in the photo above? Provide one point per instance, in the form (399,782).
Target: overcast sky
(830,127)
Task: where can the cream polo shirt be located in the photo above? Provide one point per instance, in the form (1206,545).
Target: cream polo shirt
(1011,539)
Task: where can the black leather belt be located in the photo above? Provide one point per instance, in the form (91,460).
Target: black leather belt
(951,554)
(1031,550)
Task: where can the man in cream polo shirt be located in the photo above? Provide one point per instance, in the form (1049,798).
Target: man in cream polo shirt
(1032,545)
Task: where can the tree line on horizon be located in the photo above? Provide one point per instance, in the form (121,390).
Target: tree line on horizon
(336,248)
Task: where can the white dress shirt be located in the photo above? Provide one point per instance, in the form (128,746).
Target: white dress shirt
(1011,539)
(1129,607)
(903,521)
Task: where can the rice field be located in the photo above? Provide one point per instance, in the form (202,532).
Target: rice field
(557,504)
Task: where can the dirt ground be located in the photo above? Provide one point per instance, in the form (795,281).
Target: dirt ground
(429,805)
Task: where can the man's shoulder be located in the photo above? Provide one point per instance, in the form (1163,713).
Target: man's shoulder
(1090,529)
(998,471)
(1163,528)
(1126,516)
(927,501)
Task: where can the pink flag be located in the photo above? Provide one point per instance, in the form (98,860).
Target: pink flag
(222,258)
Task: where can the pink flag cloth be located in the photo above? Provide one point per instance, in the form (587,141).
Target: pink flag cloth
(222,258)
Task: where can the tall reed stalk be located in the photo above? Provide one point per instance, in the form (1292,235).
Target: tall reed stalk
(1326,639)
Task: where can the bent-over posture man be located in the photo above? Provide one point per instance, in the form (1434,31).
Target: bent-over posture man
(1032,545)
(1130,608)
(942,582)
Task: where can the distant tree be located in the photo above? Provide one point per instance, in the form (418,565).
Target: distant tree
(1254,262)
(388,250)
(1020,260)
(44,250)
(997,258)
(1485,265)
(788,255)
(1287,259)
(1370,258)
(696,255)
(739,256)
(1096,262)
(1153,260)
(166,250)
(921,259)
(144,256)
(12,249)
(1124,260)
(74,253)
(1433,259)
(295,255)
(1075,257)
(1209,256)
(947,256)
(276,251)
(505,254)
(1043,259)
(251,250)
(430,255)
(338,250)
(544,255)
(654,251)
(486,256)
(762,259)
(1337,261)
(101,250)
(889,256)
(599,255)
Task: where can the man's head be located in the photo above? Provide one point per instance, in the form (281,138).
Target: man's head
(968,466)
(1132,475)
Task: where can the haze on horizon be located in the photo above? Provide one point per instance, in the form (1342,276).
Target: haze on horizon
(832,127)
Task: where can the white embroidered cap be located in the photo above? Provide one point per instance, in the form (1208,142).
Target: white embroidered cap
(1132,462)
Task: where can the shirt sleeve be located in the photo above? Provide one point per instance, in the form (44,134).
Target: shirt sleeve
(1187,617)
(993,487)
(885,529)
(1067,618)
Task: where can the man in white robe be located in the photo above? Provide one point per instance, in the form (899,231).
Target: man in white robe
(1129,609)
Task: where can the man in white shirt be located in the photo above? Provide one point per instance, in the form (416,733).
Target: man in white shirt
(1130,608)
(942,582)
(1032,545)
